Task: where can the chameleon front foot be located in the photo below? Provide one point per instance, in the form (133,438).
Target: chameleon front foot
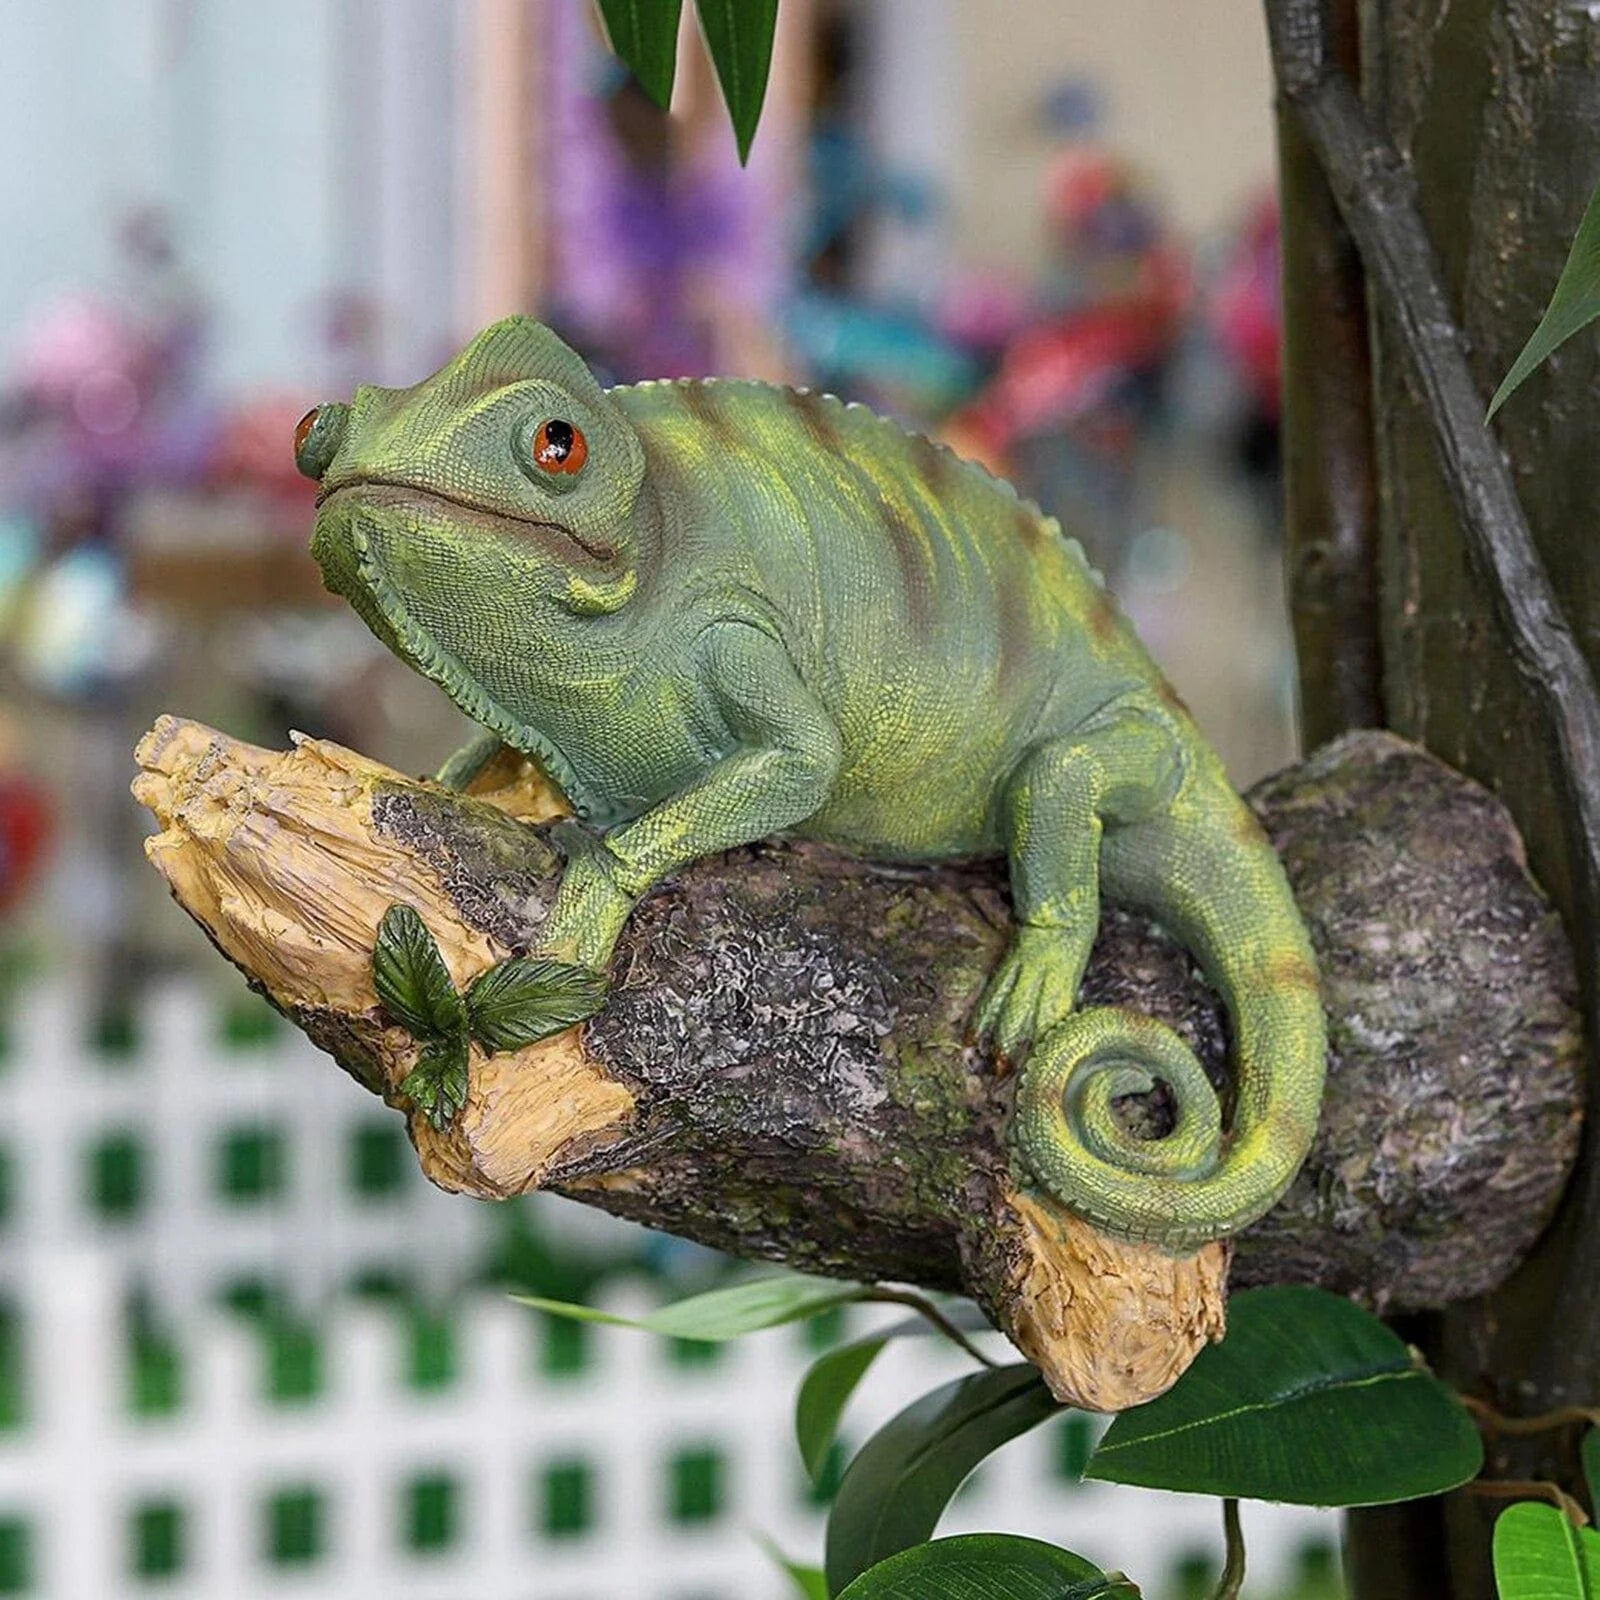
(1032,989)
(508,1006)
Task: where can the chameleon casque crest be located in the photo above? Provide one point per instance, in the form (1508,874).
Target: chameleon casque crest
(714,611)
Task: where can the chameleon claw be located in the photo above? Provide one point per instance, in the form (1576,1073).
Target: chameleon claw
(1032,989)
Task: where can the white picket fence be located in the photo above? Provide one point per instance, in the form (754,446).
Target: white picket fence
(339,1471)
(188,1103)
(84,1468)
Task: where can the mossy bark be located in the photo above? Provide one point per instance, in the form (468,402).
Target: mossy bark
(783,1067)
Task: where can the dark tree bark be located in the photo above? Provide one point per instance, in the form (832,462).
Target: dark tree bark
(1490,112)
(783,1068)
(1330,483)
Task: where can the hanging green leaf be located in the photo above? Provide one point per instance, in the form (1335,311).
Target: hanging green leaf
(438,1082)
(1539,1555)
(987,1566)
(739,35)
(765,1302)
(824,1392)
(895,1490)
(644,33)
(834,1376)
(808,1582)
(411,978)
(1308,1399)
(1574,304)
(1589,1453)
(526,999)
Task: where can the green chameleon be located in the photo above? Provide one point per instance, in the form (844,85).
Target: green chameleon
(715,611)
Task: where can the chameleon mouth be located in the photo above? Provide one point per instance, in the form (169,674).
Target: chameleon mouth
(351,568)
(400,495)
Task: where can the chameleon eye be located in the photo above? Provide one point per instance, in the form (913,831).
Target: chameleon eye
(317,437)
(558,446)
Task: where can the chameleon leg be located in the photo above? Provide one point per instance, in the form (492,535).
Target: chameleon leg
(1125,765)
(1175,841)
(784,756)
(469,760)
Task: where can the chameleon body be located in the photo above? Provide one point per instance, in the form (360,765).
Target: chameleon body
(716,611)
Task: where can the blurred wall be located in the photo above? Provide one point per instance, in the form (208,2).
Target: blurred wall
(302,150)
(1185,87)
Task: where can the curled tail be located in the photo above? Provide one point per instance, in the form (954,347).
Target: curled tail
(1208,873)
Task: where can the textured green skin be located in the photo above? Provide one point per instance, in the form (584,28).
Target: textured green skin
(758,610)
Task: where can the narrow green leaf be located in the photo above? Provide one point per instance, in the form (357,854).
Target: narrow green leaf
(834,1376)
(438,1082)
(986,1566)
(895,1490)
(1589,1453)
(1539,1555)
(526,999)
(411,978)
(824,1392)
(1308,1399)
(765,1302)
(1574,304)
(644,33)
(739,35)
(809,1582)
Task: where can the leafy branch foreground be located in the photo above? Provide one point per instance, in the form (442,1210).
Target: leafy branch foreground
(1309,1400)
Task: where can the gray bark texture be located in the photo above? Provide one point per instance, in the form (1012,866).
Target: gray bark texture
(791,1024)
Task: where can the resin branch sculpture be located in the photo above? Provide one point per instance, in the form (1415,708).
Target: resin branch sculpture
(782,1065)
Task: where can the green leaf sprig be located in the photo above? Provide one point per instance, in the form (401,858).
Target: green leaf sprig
(510,1005)
(739,36)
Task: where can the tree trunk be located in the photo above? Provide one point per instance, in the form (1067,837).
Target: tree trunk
(1330,476)
(1494,106)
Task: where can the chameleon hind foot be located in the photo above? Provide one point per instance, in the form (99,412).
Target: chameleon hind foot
(1032,989)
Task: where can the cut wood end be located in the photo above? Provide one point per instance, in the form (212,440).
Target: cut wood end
(275,854)
(519,786)
(1108,1323)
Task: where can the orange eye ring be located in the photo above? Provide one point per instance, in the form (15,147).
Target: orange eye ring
(560,447)
(318,436)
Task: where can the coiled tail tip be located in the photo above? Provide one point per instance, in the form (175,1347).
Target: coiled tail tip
(1178,1191)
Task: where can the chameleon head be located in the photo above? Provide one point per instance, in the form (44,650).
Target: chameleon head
(482,521)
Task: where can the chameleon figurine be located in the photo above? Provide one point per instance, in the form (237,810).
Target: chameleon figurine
(714,611)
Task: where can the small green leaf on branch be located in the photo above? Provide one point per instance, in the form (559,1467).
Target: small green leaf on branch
(521,1001)
(1589,1453)
(644,33)
(411,978)
(437,1085)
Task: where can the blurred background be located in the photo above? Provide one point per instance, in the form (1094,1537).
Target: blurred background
(243,1349)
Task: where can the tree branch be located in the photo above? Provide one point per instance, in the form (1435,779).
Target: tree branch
(782,1068)
(1330,474)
